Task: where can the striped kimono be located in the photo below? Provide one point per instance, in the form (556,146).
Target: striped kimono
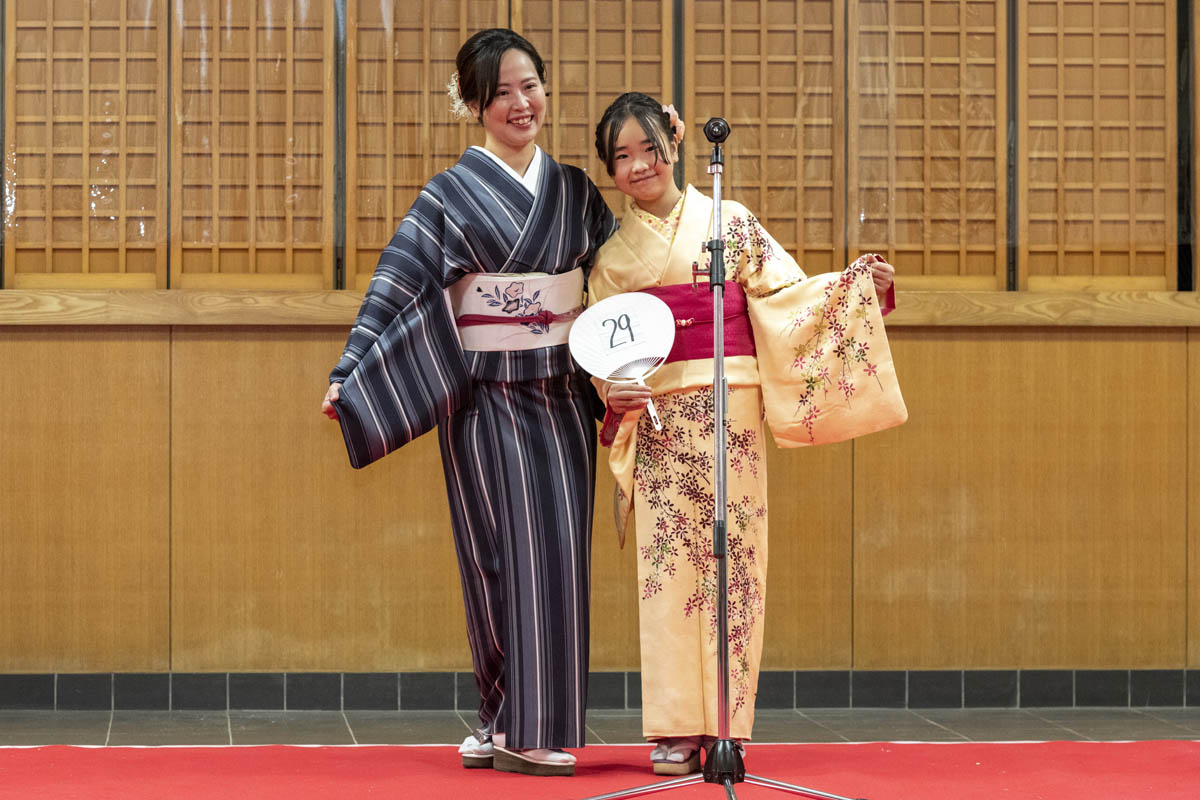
(516,428)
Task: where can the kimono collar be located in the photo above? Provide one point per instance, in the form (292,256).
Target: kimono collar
(655,252)
(531,234)
(533,172)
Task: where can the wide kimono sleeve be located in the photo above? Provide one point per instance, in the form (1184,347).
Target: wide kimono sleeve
(824,364)
(403,369)
(600,222)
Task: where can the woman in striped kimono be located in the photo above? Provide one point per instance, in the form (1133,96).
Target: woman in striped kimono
(464,326)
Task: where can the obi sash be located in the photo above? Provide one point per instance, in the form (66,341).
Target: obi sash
(692,306)
(515,311)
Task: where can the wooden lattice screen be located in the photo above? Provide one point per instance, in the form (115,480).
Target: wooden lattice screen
(399,129)
(773,70)
(926,161)
(85,169)
(1097,146)
(595,51)
(858,125)
(253,144)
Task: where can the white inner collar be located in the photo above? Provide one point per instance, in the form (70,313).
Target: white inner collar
(532,172)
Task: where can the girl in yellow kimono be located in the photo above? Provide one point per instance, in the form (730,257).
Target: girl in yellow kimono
(810,354)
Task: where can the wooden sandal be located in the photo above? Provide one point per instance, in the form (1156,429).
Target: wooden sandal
(476,752)
(537,761)
(676,756)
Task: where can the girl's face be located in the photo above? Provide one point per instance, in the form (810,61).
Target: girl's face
(638,170)
(515,115)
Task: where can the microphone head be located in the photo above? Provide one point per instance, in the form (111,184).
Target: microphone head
(716,130)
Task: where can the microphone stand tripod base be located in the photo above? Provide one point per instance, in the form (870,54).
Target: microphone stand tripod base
(723,766)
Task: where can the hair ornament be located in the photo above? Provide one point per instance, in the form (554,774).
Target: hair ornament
(676,124)
(457,107)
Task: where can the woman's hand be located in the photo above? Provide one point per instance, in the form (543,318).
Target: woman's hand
(883,274)
(327,405)
(676,123)
(626,397)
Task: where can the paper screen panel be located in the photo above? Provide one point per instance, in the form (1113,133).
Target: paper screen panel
(86,165)
(773,70)
(252,173)
(595,51)
(1097,146)
(926,168)
(399,129)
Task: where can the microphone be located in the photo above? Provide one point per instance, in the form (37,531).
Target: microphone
(716,130)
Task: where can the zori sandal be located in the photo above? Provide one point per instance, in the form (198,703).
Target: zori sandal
(676,756)
(532,761)
(477,751)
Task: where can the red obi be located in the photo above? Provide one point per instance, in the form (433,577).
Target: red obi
(692,306)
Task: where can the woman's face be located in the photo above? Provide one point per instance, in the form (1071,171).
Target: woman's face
(637,169)
(515,115)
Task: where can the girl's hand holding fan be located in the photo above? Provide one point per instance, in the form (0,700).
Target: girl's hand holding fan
(623,339)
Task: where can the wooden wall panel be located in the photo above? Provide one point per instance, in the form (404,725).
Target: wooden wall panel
(926,155)
(1193,501)
(285,558)
(84,519)
(1032,512)
(1096,162)
(253,144)
(614,623)
(773,70)
(595,51)
(399,129)
(810,504)
(85,168)
(312,568)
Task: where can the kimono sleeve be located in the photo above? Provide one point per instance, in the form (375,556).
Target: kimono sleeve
(403,369)
(824,364)
(600,221)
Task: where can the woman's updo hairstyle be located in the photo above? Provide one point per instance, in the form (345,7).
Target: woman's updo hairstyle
(478,63)
(649,114)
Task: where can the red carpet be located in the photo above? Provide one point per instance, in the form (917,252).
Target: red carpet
(1164,770)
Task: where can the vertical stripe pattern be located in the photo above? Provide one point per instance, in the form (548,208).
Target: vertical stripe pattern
(516,429)
(520,463)
(403,369)
(411,377)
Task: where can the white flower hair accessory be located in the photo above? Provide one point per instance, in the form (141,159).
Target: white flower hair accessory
(457,107)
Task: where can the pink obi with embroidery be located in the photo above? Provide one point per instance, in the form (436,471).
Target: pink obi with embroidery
(692,306)
(515,310)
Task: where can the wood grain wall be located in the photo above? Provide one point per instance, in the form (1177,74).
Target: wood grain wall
(85,515)
(1193,551)
(173,499)
(1035,510)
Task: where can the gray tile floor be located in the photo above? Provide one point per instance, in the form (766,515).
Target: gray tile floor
(25,728)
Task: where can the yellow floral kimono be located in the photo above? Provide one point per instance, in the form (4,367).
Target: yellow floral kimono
(822,373)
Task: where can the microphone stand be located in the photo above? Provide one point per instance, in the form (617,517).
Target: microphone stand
(723,763)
